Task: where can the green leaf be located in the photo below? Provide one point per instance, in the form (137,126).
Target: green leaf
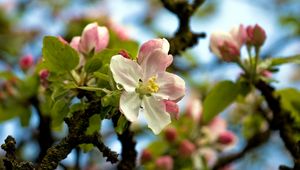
(290,101)
(121,125)
(59,57)
(285,60)
(58,93)
(93,65)
(105,55)
(158,148)
(59,110)
(25,116)
(95,124)
(221,96)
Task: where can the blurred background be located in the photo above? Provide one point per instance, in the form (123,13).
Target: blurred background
(24,23)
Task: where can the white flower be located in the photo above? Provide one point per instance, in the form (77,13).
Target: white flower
(147,85)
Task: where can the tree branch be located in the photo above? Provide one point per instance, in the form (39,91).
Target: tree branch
(282,121)
(183,37)
(128,152)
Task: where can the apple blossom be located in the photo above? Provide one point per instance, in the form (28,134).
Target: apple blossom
(26,62)
(226,138)
(186,148)
(164,163)
(146,156)
(171,134)
(147,85)
(227,45)
(94,38)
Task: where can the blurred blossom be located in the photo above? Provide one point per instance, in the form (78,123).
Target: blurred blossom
(194,108)
(26,62)
(164,163)
(170,134)
(227,45)
(186,148)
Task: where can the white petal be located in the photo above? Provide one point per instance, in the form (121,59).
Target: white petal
(130,105)
(155,114)
(171,86)
(125,72)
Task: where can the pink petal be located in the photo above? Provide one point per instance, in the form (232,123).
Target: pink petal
(130,105)
(171,86)
(148,47)
(103,39)
(93,38)
(75,42)
(155,63)
(239,34)
(217,40)
(172,108)
(218,125)
(156,116)
(125,72)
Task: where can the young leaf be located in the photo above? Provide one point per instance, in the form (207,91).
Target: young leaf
(93,65)
(122,124)
(59,57)
(221,96)
(285,60)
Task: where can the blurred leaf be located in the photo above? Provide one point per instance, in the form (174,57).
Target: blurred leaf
(129,45)
(92,65)
(158,148)
(105,55)
(25,116)
(290,100)
(59,110)
(59,57)
(121,125)
(285,60)
(221,96)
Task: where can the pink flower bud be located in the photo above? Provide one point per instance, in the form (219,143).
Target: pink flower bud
(164,163)
(146,156)
(26,62)
(266,73)
(172,108)
(256,35)
(229,51)
(124,53)
(186,148)
(171,134)
(227,45)
(226,138)
(148,47)
(75,43)
(93,38)
(44,73)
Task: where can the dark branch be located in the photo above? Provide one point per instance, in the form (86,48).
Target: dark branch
(77,124)
(282,121)
(128,152)
(183,37)
(10,161)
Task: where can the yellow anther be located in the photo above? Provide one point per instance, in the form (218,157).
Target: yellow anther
(152,86)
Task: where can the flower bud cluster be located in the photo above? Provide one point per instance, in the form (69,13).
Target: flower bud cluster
(227,45)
